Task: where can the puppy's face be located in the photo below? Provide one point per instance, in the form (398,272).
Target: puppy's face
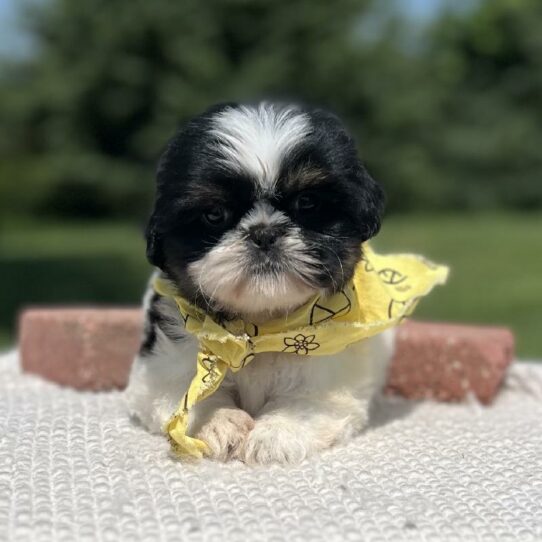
(260,207)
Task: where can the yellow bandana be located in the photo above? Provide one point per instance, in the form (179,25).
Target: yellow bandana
(384,290)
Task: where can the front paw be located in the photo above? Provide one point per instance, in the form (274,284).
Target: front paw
(274,441)
(226,432)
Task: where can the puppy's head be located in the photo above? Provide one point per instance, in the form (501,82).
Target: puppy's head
(260,207)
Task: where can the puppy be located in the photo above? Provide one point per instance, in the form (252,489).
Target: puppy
(258,208)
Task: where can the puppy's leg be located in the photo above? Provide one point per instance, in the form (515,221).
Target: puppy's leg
(318,402)
(221,424)
(156,387)
(162,373)
(291,429)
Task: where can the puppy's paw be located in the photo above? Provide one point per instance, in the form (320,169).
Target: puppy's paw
(274,441)
(226,432)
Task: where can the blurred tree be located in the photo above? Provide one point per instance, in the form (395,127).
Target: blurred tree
(452,124)
(489,67)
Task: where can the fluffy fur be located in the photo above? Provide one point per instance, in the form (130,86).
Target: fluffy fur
(257,209)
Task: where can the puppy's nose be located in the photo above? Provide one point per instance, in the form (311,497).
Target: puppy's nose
(263,237)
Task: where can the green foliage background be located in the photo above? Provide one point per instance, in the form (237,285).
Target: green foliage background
(447,115)
(453,121)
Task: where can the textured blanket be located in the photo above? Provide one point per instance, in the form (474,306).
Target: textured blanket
(73,467)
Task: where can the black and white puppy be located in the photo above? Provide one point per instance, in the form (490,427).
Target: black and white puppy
(259,207)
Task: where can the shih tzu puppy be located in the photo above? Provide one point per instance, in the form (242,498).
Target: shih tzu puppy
(258,208)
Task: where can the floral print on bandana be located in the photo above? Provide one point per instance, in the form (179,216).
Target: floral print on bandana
(300,344)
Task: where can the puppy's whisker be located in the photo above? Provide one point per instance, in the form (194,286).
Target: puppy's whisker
(319,265)
(340,263)
(339,260)
(200,290)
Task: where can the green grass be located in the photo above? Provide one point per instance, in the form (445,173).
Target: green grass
(496,263)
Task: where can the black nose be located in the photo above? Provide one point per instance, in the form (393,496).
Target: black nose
(263,237)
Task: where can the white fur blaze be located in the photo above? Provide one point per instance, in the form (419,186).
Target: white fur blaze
(255,140)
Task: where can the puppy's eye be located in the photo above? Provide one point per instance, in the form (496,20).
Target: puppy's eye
(307,203)
(216,216)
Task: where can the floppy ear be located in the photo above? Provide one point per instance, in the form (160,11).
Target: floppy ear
(373,202)
(155,252)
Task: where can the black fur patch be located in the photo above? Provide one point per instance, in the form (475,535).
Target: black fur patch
(156,318)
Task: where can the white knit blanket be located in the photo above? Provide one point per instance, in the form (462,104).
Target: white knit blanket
(73,467)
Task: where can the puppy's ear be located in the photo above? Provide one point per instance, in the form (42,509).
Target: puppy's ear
(373,203)
(155,251)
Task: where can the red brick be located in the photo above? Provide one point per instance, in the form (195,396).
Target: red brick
(84,348)
(448,361)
